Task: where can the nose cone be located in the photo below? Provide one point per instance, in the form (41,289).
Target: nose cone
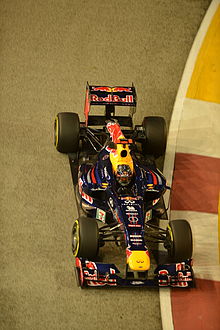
(139,261)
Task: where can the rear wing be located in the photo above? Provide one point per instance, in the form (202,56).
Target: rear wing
(102,95)
(109,97)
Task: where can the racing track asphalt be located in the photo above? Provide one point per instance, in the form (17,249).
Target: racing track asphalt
(48,50)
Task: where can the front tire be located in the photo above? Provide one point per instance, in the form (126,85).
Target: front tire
(156,136)
(179,239)
(85,238)
(66,132)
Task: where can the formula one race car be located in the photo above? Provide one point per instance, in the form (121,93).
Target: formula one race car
(119,193)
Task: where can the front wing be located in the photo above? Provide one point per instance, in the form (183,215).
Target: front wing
(95,274)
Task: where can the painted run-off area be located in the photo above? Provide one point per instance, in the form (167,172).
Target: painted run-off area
(196,185)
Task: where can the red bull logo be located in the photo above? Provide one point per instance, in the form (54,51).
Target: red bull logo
(112,98)
(102,89)
(112,89)
(121,89)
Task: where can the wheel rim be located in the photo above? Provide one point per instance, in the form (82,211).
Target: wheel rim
(75,238)
(170,233)
(170,246)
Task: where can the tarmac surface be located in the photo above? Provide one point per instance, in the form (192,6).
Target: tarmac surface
(48,50)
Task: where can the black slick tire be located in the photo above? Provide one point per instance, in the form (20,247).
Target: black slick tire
(156,136)
(85,238)
(180,239)
(66,132)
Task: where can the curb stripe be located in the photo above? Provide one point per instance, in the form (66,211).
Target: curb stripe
(196,183)
(219,227)
(197,308)
(205,82)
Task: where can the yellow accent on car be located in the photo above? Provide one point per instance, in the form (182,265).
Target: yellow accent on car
(139,261)
(116,157)
(170,232)
(77,236)
(56,130)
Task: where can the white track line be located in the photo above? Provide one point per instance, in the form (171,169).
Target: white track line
(165,299)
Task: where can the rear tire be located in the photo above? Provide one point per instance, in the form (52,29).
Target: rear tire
(156,136)
(85,238)
(66,132)
(180,245)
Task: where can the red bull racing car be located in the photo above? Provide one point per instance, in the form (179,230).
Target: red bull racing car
(119,192)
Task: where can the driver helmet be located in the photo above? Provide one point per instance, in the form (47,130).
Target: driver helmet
(122,163)
(124,174)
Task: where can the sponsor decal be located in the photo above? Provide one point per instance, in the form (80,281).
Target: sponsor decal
(100,215)
(133,219)
(112,98)
(111,202)
(155,201)
(121,89)
(130,209)
(91,265)
(129,201)
(166,280)
(80,185)
(106,173)
(180,266)
(131,225)
(90,273)
(184,278)
(131,212)
(180,280)
(137,282)
(92,277)
(148,215)
(129,198)
(88,198)
(111,89)
(104,185)
(112,271)
(151,189)
(102,89)
(104,281)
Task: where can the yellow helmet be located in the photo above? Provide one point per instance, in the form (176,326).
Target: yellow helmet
(122,163)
